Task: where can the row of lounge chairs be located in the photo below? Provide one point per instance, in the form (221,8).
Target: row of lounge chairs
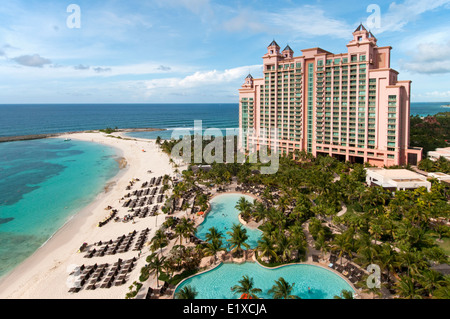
(84,273)
(141,240)
(108,219)
(120,245)
(153,182)
(166,288)
(148,191)
(352,272)
(145,212)
(116,275)
(133,203)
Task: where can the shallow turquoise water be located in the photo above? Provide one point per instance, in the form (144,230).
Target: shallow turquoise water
(217,283)
(223,215)
(42,184)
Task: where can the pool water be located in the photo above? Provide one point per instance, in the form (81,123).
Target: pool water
(223,215)
(217,283)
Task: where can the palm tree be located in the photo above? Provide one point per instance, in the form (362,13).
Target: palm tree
(159,240)
(407,289)
(259,211)
(244,207)
(213,234)
(238,238)
(442,292)
(213,247)
(284,247)
(283,203)
(187,292)
(341,244)
(386,258)
(266,247)
(155,265)
(282,290)
(185,228)
(431,280)
(322,244)
(345,294)
(245,286)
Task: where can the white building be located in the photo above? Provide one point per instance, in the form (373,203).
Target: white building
(440,177)
(444,152)
(396,179)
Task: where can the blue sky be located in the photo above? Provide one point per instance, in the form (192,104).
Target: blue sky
(192,51)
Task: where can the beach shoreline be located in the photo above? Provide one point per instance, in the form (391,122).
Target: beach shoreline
(44,273)
(17,138)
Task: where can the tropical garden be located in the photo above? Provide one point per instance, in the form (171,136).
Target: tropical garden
(405,233)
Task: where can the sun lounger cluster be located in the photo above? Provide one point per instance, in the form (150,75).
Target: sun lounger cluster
(141,240)
(120,245)
(102,276)
(139,201)
(154,181)
(107,219)
(352,272)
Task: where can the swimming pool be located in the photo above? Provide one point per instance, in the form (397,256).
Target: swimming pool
(217,283)
(223,215)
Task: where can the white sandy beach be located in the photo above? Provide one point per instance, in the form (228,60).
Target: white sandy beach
(45,273)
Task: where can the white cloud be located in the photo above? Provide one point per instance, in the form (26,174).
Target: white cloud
(101,70)
(301,21)
(202,79)
(81,67)
(32,60)
(438,94)
(399,15)
(429,52)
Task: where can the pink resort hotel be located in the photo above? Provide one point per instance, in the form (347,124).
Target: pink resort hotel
(350,105)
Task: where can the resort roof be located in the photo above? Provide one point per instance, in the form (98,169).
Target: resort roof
(288,48)
(360,28)
(274,43)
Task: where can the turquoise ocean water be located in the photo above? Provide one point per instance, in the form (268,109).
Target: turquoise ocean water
(42,184)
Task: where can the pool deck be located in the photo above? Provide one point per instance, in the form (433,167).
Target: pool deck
(225,257)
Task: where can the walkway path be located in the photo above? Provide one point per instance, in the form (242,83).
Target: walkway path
(343,211)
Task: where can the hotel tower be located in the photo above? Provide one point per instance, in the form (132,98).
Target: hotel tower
(350,105)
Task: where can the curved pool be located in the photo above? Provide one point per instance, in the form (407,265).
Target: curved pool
(223,215)
(217,283)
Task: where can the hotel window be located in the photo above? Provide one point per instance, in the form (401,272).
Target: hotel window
(362,58)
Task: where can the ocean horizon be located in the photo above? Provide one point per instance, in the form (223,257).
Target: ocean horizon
(31,119)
